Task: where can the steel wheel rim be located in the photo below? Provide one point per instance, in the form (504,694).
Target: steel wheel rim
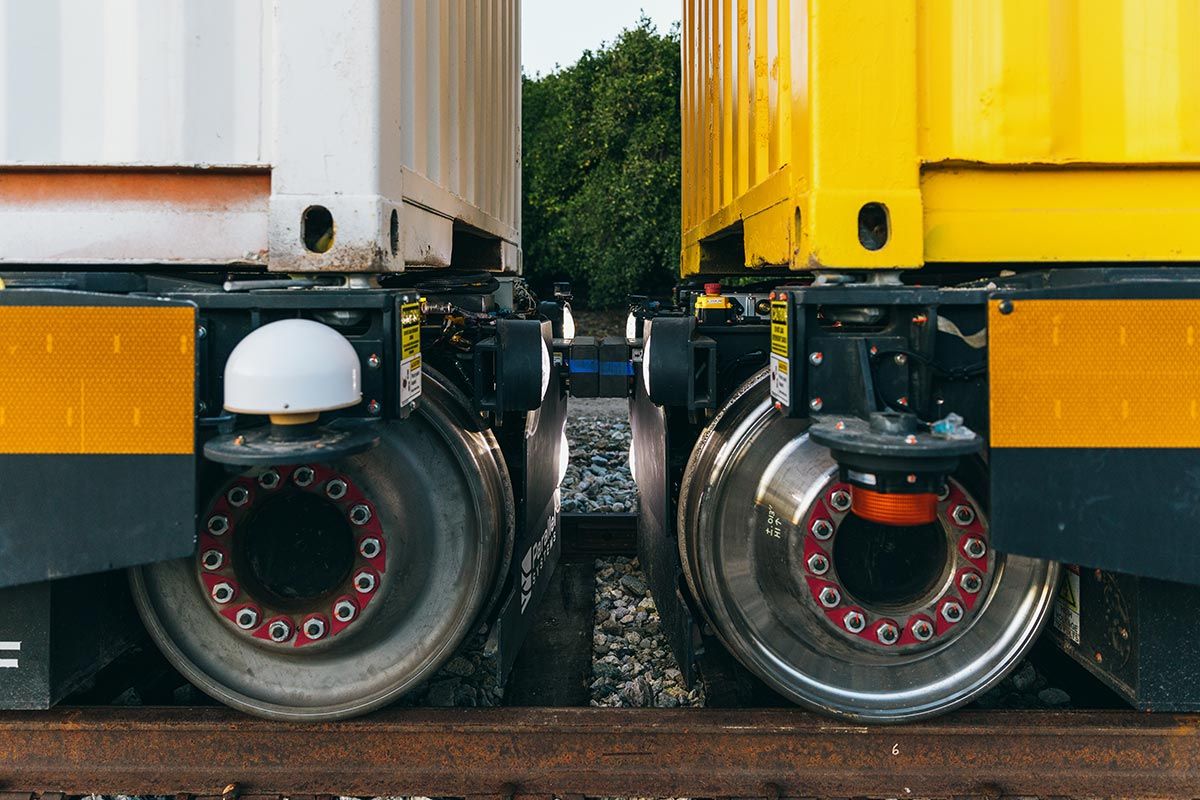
(450,525)
(794,651)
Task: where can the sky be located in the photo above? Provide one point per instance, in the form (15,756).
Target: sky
(558,31)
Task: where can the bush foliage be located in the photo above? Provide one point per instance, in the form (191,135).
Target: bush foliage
(601,142)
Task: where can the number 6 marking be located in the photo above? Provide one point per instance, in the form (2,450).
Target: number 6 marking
(896,749)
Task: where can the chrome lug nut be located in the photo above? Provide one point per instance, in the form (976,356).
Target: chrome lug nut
(830,597)
(335,489)
(246,619)
(223,592)
(822,529)
(344,611)
(237,496)
(854,621)
(218,524)
(279,631)
(212,559)
(840,500)
(313,627)
(887,633)
(269,479)
(360,514)
(963,515)
(818,564)
(922,630)
(369,547)
(952,612)
(970,582)
(364,582)
(303,476)
(974,547)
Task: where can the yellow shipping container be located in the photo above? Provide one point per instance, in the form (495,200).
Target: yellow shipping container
(847,134)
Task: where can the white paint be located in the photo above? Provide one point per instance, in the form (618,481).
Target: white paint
(9,663)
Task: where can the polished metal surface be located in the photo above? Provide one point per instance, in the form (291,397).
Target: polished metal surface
(752,489)
(443,498)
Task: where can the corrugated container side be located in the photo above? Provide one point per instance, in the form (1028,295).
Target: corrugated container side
(202,131)
(988,130)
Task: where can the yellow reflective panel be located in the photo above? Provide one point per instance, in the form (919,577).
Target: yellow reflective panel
(1095,373)
(97,380)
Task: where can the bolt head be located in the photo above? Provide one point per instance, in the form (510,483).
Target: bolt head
(854,621)
(887,633)
(816,358)
(963,514)
(218,524)
(269,479)
(303,476)
(373,408)
(223,592)
(246,618)
(840,500)
(822,529)
(952,611)
(944,491)
(816,404)
(314,627)
(212,559)
(364,582)
(818,564)
(360,514)
(910,439)
(974,547)
(829,597)
(238,496)
(369,547)
(901,359)
(279,631)
(373,361)
(970,582)
(344,611)
(922,630)
(335,489)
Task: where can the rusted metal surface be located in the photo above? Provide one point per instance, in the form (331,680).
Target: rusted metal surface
(594,752)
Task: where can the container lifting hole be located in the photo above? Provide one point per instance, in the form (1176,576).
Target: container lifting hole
(873,226)
(316,229)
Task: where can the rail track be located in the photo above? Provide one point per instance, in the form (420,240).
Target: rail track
(544,745)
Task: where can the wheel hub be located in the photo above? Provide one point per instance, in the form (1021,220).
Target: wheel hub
(291,556)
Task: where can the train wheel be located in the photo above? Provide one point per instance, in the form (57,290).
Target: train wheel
(846,616)
(323,591)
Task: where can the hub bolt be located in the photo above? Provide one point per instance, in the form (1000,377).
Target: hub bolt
(373,408)
(887,633)
(970,582)
(816,358)
(818,564)
(303,476)
(816,404)
(952,612)
(314,627)
(335,489)
(854,621)
(218,524)
(364,582)
(944,492)
(237,496)
(369,547)
(963,515)
(840,500)
(822,529)
(360,514)
(901,359)
(212,559)
(922,630)
(344,610)
(269,479)
(974,547)
(830,597)
(223,592)
(279,631)
(246,619)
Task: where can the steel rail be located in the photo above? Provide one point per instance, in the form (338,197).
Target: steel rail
(599,752)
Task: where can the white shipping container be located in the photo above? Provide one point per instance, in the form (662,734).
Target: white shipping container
(299,135)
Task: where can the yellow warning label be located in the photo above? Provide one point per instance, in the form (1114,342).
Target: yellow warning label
(779,328)
(410,330)
(97,380)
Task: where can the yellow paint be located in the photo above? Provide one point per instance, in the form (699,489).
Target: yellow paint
(1122,374)
(68,387)
(993,130)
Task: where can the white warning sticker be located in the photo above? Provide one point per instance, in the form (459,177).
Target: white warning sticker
(780,387)
(9,650)
(1066,606)
(410,379)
